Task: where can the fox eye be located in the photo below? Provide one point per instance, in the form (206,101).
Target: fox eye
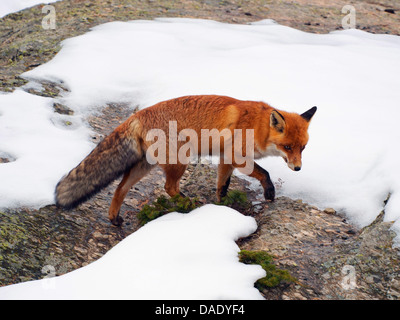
(288,148)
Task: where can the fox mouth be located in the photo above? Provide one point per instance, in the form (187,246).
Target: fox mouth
(293,167)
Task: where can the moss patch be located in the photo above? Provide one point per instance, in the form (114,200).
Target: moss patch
(274,276)
(11,235)
(28,239)
(235,199)
(165,205)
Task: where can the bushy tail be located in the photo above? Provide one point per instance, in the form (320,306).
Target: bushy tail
(116,154)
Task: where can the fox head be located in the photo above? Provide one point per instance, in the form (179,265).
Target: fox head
(289,135)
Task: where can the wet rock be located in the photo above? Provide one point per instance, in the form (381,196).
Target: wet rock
(62,109)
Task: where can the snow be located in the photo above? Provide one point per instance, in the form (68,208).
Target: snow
(43,148)
(178,256)
(10,6)
(350,163)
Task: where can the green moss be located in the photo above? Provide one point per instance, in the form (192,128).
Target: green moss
(235,199)
(165,205)
(274,276)
(10,233)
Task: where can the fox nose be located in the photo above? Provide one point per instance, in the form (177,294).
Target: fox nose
(297,168)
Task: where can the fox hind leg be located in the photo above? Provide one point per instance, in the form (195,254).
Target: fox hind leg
(131,177)
(224,179)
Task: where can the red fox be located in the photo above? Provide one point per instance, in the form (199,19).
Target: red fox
(126,151)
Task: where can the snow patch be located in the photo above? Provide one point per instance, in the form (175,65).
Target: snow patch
(42,152)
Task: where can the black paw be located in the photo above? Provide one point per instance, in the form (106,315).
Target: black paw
(221,195)
(117,221)
(269,193)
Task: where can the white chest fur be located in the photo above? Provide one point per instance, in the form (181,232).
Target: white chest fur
(270,151)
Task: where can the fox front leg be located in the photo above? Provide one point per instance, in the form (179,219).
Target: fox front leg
(261,175)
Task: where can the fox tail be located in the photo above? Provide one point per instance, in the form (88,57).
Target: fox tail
(113,156)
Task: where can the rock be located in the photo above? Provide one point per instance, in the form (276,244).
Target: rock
(330,211)
(62,109)
(370,280)
(81,251)
(395,284)
(394,294)
(326,276)
(298,296)
(98,235)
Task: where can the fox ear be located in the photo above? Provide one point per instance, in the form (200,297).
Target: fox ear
(309,114)
(277,121)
